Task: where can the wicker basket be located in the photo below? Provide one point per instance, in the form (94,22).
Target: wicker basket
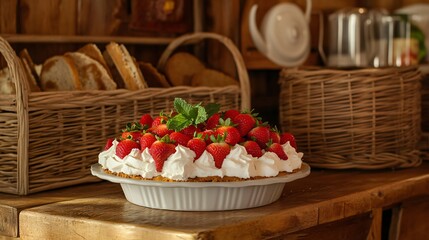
(424,143)
(364,119)
(50,139)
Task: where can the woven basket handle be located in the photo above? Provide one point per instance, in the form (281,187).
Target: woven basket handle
(238,59)
(18,76)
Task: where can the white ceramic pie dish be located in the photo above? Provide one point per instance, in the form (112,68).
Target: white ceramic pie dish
(202,196)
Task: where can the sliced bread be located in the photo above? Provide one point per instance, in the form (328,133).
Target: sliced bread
(59,73)
(31,80)
(91,50)
(92,74)
(152,76)
(128,73)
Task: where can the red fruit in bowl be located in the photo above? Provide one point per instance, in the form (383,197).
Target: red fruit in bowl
(231,114)
(125,146)
(198,145)
(160,151)
(219,149)
(277,149)
(232,136)
(147,140)
(179,138)
(288,137)
(146,121)
(109,143)
(252,148)
(260,134)
(244,123)
(213,121)
(132,130)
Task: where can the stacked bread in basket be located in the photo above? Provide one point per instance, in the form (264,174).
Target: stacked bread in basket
(53,117)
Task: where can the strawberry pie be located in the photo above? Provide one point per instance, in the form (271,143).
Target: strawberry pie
(200,143)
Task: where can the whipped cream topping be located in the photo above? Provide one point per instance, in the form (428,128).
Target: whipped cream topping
(181,165)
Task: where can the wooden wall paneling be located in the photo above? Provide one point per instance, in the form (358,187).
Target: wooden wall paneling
(100,17)
(52,17)
(8,11)
(221,15)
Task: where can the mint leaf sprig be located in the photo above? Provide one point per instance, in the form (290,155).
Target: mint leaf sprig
(188,114)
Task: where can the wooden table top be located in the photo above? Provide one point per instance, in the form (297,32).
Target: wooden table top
(100,211)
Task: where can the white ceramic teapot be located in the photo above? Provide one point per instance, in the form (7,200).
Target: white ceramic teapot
(285,34)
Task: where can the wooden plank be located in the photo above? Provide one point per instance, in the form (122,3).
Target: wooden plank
(12,205)
(376,227)
(323,197)
(8,11)
(354,228)
(414,222)
(100,17)
(51,17)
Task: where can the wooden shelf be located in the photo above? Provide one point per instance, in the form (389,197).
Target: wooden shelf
(17,38)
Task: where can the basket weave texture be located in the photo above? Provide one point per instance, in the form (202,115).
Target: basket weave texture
(50,139)
(363,119)
(424,143)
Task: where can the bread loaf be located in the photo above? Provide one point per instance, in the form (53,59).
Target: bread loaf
(180,68)
(212,78)
(152,76)
(59,73)
(128,72)
(92,74)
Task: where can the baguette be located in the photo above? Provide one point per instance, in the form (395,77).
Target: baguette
(127,73)
(59,73)
(92,74)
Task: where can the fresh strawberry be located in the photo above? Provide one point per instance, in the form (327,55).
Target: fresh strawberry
(161,130)
(277,149)
(219,149)
(244,123)
(109,143)
(198,145)
(206,135)
(125,146)
(232,136)
(161,119)
(132,130)
(288,137)
(179,138)
(274,135)
(260,134)
(189,131)
(146,121)
(160,151)
(213,121)
(252,148)
(146,140)
(231,114)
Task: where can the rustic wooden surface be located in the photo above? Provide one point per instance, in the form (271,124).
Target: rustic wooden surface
(8,16)
(349,200)
(12,205)
(51,17)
